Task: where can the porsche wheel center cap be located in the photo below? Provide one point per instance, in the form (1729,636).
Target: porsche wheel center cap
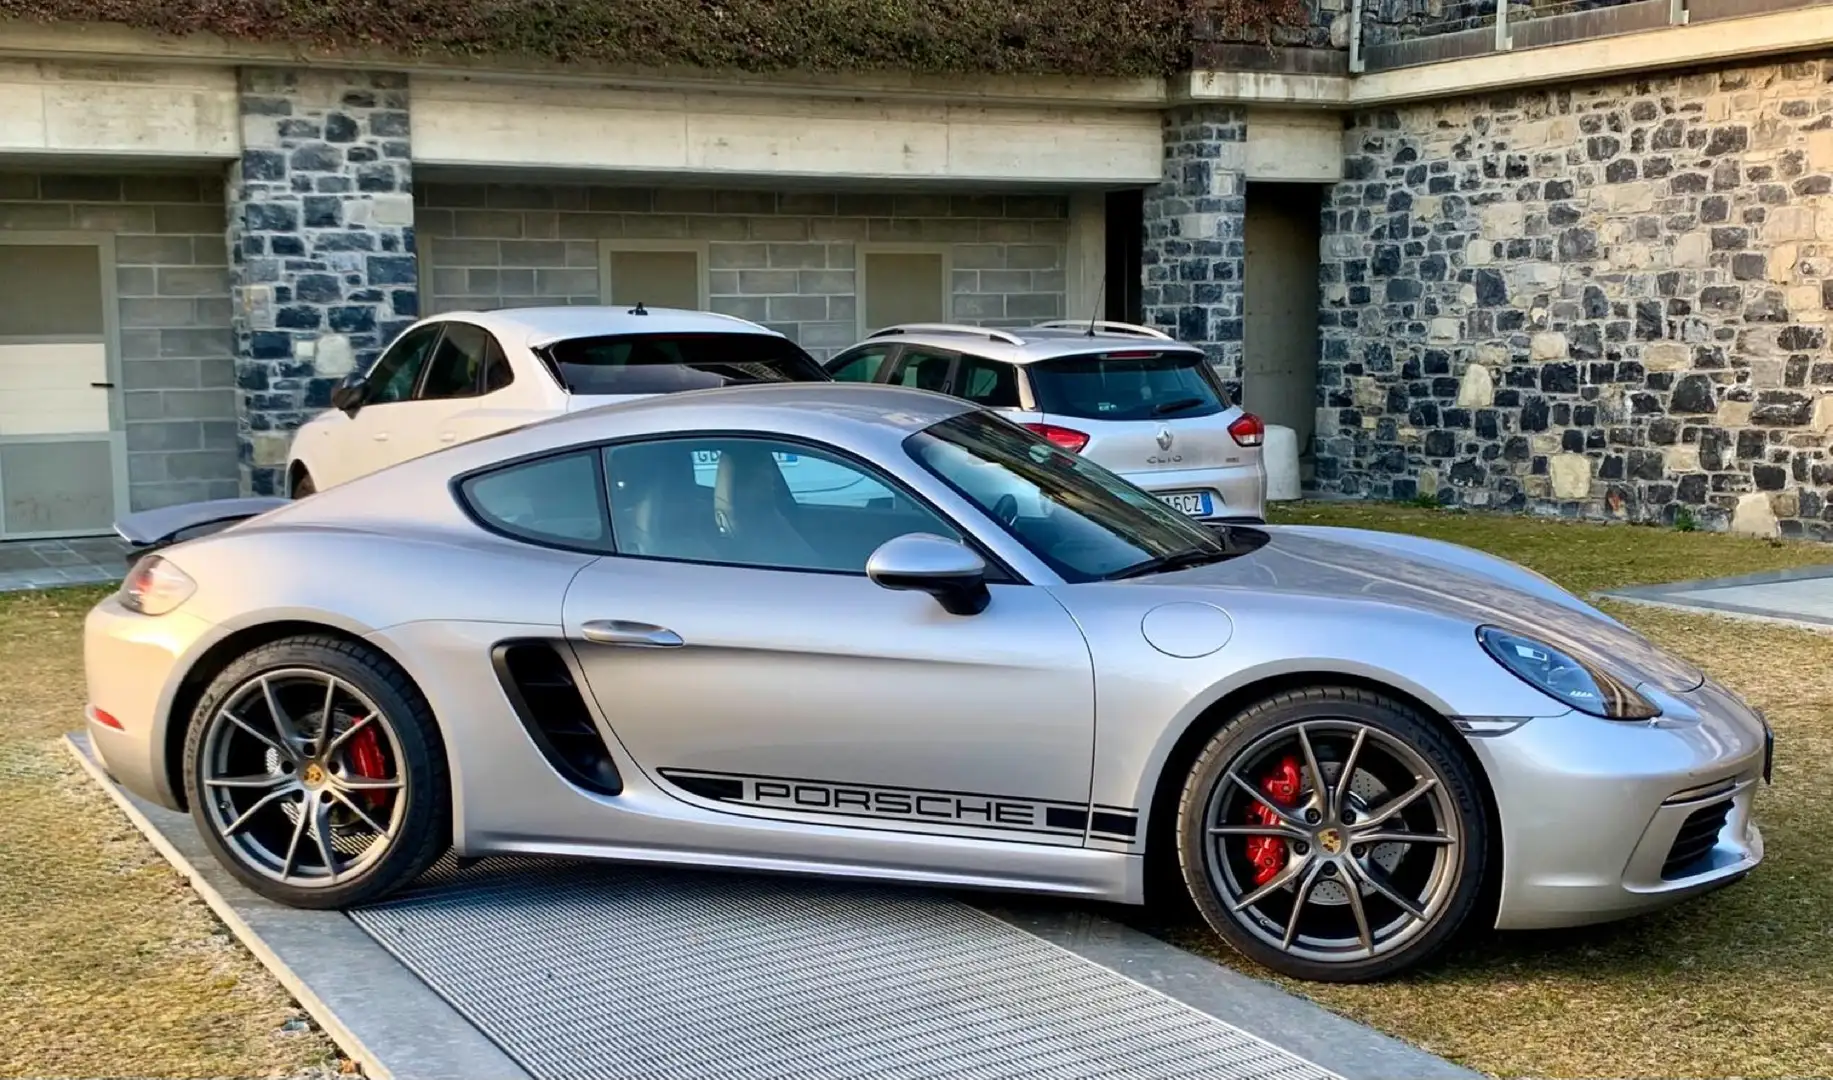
(314,775)
(1331,840)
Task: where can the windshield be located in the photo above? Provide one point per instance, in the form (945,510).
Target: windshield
(1138,384)
(1083,521)
(671,363)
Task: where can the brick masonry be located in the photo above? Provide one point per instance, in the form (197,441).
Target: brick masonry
(1610,300)
(171,283)
(1195,240)
(321,236)
(787,260)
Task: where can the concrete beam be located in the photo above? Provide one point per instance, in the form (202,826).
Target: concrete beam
(109,109)
(744,137)
(1293,145)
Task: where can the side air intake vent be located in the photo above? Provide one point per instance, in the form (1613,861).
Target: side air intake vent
(540,687)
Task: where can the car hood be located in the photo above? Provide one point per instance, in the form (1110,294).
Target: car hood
(1444,579)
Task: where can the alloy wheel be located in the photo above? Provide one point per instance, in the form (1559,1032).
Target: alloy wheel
(303,778)
(1332,841)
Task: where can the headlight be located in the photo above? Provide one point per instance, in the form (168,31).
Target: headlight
(1572,682)
(154,587)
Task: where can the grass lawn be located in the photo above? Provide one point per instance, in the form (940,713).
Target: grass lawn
(112,966)
(124,972)
(1737,983)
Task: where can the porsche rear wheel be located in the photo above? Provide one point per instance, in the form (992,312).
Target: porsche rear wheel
(1332,834)
(316,773)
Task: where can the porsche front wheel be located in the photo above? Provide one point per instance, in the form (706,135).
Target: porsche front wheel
(316,773)
(1332,834)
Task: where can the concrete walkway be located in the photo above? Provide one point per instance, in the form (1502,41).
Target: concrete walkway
(1800,597)
(52,564)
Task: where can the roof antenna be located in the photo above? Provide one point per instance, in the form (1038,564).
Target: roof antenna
(1096,314)
(637,310)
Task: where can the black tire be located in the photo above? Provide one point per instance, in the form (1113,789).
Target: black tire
(425,823)
(1456,875)
(303,486)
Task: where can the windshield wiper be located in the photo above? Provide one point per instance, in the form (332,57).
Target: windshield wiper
(1177,560)
(1177,404)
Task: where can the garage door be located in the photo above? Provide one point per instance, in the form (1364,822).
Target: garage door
(61,447)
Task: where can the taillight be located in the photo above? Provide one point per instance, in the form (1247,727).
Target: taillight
(1248,430)
(104,719)
(1072,441)
(154,587)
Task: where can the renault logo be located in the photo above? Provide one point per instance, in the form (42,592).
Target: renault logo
(1164,438)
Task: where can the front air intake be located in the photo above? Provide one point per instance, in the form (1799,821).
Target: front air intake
(541,689)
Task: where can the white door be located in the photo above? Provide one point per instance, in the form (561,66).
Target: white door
(62,450)
(380,432)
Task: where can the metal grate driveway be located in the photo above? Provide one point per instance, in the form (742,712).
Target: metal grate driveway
(621,973)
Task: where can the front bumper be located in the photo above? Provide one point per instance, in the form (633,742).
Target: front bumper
(1603,819)
(1237,493)
(129,660)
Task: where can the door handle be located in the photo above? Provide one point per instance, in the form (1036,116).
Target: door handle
(103,385)
(619,632)
(381,436)
(448,436)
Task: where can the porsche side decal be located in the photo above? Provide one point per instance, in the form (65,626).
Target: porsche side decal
(981,811)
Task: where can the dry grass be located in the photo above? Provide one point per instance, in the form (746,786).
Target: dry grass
(111,966)
(1737,983)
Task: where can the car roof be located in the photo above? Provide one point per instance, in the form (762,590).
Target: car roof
(533,327)
(840,412)
(1028,345)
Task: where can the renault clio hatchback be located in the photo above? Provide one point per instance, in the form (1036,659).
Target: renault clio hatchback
(1127,397)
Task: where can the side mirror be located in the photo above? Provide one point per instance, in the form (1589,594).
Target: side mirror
(349,393)
(945,569)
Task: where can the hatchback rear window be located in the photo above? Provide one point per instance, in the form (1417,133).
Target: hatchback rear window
(1132,385)
(671,363)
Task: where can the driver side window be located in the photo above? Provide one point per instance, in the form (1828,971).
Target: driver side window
(756,502)
(394,375)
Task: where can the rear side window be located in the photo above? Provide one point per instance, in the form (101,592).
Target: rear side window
(1131,385)
(552,500)
(991,383)
(497,372)
(671,363)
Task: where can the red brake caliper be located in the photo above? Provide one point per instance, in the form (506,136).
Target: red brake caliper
(1268,853)
(366,758)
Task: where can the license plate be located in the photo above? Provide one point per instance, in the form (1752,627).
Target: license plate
(1194,503)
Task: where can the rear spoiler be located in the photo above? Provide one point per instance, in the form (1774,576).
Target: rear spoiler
(150,530)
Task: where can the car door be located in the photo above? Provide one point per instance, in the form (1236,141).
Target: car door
(923,368)
(355,444)
(469,391)
(745,660)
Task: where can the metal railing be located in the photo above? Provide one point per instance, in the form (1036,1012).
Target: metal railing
(1388,34)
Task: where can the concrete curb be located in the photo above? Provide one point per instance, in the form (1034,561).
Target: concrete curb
(1682,596)
(336,972)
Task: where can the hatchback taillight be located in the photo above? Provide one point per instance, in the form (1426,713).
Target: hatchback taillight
(1072,441)
(1248,430)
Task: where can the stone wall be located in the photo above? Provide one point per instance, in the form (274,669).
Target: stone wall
(321,239)
(787,260)
(171,286)
(1609,300)
(1195,235)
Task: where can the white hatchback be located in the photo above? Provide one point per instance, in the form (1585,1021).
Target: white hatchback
(455,377)
(1129,398)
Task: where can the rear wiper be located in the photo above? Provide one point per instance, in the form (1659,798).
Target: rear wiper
(1177,560)
(1177,404)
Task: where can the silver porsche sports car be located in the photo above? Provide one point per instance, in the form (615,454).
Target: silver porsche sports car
(877,632)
